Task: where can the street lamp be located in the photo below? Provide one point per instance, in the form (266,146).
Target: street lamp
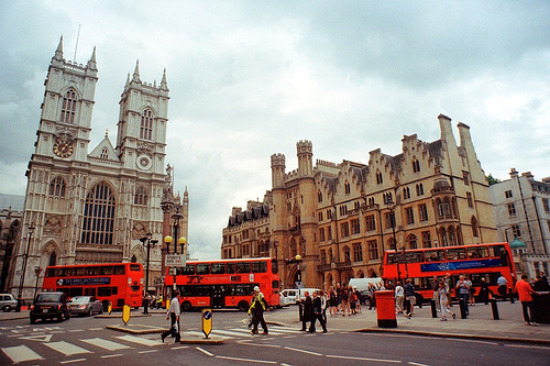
(298,271)
(391,207)
(37,271)
(24,268)
(147,240)
(182,242)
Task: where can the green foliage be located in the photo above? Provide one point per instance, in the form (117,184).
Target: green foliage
(492,180)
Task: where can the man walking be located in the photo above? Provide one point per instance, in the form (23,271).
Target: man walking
(173,313)
(501,281)
(257,308)
(317,313)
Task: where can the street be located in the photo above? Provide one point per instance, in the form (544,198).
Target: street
(88,341)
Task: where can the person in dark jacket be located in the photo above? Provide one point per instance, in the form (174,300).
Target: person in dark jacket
(410,298)
(307,305)
(317,313)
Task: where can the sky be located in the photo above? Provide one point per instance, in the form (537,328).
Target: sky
(249,79)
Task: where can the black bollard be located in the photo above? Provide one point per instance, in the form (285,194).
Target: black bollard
(462,304)
(434,309)
(495,309)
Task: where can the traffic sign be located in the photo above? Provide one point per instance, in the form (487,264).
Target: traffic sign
(175,260)
(206,321)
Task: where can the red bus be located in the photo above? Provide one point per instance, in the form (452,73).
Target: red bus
(226,283)
(477,261)
(116,283)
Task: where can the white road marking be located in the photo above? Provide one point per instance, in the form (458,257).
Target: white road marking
(112,356)
(525,346)
(363,359)
(73,361)
(471,341)
(39,337)
(303,351)
(66,348)
(21,354)
(105,344)
(205,351)
(417,364)
(245,360)
(143,341)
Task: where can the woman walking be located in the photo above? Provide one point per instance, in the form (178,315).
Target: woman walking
(444,302)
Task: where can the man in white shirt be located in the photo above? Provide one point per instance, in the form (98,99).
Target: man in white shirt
(173,313)
(502,289)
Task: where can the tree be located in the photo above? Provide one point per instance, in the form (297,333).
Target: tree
(492,180)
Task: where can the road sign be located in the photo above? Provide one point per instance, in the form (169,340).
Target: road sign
(175,260)
(206,321)
(126,314)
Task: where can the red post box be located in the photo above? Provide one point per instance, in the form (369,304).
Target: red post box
(385,309)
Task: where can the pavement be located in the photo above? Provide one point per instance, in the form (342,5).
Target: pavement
(478,325)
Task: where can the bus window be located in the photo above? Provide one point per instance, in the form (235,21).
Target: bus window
(414,257)
(230,268)
(93,271)
(50,272)
(477,252)
(275,285)
(106,270)
(133,268)
(89,291)
(80,271)
(455,254)
(242,267)
(203,268)
(259,267)
(393,258)
(104,291)
(189,269)
(119,270)
(218,268)
(434,255)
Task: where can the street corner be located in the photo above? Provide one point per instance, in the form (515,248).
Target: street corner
(136,328)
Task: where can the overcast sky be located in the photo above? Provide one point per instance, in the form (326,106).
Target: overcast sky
(248,79)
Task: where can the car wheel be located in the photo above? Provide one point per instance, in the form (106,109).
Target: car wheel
(6,308)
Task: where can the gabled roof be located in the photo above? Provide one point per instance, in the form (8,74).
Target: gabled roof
(105,144)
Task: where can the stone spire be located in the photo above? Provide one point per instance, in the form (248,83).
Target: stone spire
(136,73)
(163,84)
(59,51)
(92,63)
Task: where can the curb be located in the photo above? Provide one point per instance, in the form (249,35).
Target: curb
(455,335)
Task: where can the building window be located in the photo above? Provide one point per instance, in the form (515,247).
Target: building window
(357,252)
(347,188)
(426,239)
(140,197)
(511,209)
(329,214)
(419,189)
(343,210)
(416,165)
(516,231)
(344,227)
(320,216)
(466,178)
(545,205)
(104,154)
(423,212)
(323,257)
(388,197)
(469,200)
(412,242)
(508,194)
(322,234)
(146,131)
(68,109)
(99,216)
(329,229)
(389,220)
(474,227)
(444,209)
(373,249)
(57,188)
(379,179)
(410,215)
(347,255)
(370,223)
(319,196)
(355,229)
(406,193)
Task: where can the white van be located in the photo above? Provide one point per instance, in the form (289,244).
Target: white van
(288,296)
(363,284)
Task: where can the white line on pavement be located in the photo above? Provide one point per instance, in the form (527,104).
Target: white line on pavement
(73,361)
(363,359)
(244,359)
(205,351)
(303,351)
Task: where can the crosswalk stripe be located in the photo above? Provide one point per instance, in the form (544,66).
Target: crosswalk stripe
(105,344)
(143,341)
(21,354)
(66,348)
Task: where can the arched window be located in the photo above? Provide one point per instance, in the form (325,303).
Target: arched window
(419,189)
(319,196)
(68,109)
(104,153)
(146,131)
(57,187)
(347,188)
(416,165)
(412,243)
(99,216)
(141,197)
(474,227)
(451,233)
(379,179)
(53,259)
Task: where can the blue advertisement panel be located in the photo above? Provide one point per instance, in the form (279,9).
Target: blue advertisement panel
(460,266)
(84,281)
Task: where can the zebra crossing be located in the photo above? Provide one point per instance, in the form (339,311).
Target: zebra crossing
(82,347)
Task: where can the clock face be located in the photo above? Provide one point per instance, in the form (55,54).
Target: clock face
(63,148)
(144,162)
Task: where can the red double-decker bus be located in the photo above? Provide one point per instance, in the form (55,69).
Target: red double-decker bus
(477,261)
(227,283)
(116,283)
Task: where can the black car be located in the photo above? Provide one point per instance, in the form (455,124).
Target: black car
(50,305)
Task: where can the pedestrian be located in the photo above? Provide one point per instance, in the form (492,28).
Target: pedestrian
(524,291)
(463,292)
(444,296)
(410,298)
(257,307)
(353,300)
(333,301)
(345,295)
(307,306)
(471,298)
(372,298)
(173,313)
(317,313)
(324,305)
(399,297)
(357,300)
(484,291)
(502,286)
(541,284)
(159,302)
(435,296)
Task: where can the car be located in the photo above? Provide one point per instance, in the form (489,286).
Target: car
(288,296)
(85,305)
(49,305)
(7,302)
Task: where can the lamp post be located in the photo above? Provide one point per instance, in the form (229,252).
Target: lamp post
(391,207)
(298,271)
(37,271)
(24,268)
(147,241)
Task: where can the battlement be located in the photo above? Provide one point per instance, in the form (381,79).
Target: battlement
(304,147)
(277,160)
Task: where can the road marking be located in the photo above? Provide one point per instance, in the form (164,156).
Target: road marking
(73,361)
(525,346)
(105,344)
(150,351)
(303,351)
(245,360)
(418,364)
(205,351)
(363,359)
(143,341)
(21,354)
(95,329)
(111,356)
(39,337)
(66,348)
(180,347)
(471,341)
(248,343)
(76,330)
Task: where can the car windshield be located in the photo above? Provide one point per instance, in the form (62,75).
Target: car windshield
(80,300)
(48,298)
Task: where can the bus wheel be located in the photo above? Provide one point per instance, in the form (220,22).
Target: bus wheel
(243,306)
(186,306)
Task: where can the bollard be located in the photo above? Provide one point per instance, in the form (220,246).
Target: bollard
(461,303)
(434,309)
(494,308)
